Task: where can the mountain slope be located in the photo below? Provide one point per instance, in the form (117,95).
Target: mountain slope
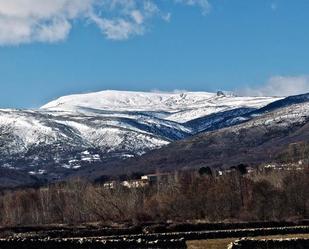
(87,130)
(34,138)
(270,137)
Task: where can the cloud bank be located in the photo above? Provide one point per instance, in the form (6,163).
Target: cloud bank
(25,21)
(280,86)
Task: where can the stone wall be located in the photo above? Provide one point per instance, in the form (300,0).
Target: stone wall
(270,244)
(95,243)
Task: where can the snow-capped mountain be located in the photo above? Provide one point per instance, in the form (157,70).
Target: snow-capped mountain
(276,133)
(80,130)
(178,107)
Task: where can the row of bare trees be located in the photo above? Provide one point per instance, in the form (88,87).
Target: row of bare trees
(190,196)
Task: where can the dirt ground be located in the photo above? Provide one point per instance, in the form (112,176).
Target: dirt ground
(223,243)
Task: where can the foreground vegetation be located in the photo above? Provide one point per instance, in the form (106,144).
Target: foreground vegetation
(237,196)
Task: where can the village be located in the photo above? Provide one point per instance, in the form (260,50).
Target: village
(170,177)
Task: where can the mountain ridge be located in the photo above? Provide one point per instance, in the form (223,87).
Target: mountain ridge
(80,131)
(269,138)
(173,105)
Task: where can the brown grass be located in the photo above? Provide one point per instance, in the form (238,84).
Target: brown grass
(223,243)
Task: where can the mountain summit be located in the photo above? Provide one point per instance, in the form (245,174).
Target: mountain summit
(175,106)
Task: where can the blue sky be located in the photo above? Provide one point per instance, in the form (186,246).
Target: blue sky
(257,47)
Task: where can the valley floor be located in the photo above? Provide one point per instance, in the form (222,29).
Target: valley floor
(223,243)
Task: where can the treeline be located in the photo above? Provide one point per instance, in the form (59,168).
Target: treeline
(237,196)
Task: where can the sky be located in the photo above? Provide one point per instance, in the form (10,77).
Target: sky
(53,48)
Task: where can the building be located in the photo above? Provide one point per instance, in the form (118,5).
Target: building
(140,183)
(110,185)
(155,178)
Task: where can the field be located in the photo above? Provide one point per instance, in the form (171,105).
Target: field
(223,243)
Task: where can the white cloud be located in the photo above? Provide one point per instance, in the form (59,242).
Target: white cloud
(120,19)
(137,16)
(167,17)
(36,20)
(118,29)
(280,86)
(25,21)
(203,4)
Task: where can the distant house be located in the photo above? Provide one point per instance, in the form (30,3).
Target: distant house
(135,183)
(155,178)
(219,173)
(110,185)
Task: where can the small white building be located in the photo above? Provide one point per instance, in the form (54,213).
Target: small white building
(135,183)
(110,185)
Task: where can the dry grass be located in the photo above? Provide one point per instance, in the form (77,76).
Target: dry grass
(223,243)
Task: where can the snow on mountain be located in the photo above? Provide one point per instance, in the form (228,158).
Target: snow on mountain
(178,107)
(283,117)
(129,101)
(79,130)
(278,133)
